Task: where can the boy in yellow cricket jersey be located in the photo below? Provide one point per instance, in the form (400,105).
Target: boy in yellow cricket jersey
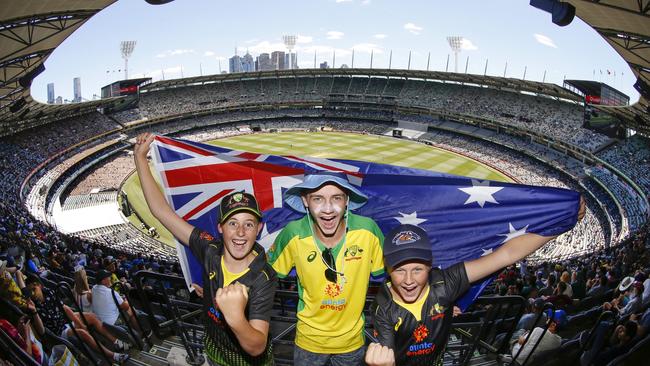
(334,253)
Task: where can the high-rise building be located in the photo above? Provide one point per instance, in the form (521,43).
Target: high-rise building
(324,65)
(290,59)
(264,62)
(277,60)
(77,89)
(248,64)
(50,93)
(235,64)
(59,100)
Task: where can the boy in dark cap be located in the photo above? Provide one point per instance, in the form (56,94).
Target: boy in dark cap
(238,284)
(413,310)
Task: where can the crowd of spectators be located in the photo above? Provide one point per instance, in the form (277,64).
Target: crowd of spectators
(632,157)
(558,119)
(107,175)
(30,245)
(614,281)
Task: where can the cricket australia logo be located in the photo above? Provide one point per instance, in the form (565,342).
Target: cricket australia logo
(353,253)
(406,237)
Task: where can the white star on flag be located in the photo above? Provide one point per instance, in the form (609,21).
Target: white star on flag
(481,192)
(486,251)
(266,239)
(411,218)
(514,233)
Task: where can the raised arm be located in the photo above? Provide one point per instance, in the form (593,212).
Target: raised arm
(510,252)
(155,200)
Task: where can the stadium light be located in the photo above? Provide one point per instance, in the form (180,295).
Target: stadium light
(455,42)
(127,49)
(290,43)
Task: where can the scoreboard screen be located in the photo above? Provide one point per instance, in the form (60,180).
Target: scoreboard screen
(123,87)
(602,122)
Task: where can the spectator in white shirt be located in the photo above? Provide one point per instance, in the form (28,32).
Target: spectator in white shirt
(104,303)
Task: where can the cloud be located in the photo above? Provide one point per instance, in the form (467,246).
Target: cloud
(251,41)
(343,1)
(365,2)
(467,45)
(414,29)
(334,35)
(220,58)
(546,41)
(175,52)
(380,36)
(367,48)
(262,47)
(208,53)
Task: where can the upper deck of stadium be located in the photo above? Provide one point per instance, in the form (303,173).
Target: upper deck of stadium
(33,29)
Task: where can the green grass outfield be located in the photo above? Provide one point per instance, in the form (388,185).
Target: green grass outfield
(380,149)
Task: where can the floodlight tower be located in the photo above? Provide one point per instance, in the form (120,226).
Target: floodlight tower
(127,49)
(455,42)
(290,43)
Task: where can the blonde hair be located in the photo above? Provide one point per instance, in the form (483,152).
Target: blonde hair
(566,277)
(80,282)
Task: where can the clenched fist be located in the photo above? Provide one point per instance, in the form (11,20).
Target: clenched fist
(378,355)
(231,301)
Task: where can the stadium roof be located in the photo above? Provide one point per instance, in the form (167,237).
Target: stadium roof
(30,30)
(625,25)
(587,87)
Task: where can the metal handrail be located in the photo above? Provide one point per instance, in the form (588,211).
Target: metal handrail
(125,317)
(547,306)
(64,289)
(192,348)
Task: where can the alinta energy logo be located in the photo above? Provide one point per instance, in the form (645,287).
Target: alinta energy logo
(420,347)
(333,290)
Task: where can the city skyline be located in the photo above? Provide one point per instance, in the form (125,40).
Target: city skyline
(183,39)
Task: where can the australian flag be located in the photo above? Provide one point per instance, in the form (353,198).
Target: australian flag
(465,218)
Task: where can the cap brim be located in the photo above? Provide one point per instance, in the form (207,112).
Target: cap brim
(293,195)
(227,215)
(396,258)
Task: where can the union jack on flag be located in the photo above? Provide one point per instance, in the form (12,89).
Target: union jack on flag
(465,218)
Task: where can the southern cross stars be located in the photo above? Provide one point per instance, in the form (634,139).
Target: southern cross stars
(481,192)
(514,232)
(411,218)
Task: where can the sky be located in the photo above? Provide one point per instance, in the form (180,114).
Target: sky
(196,37)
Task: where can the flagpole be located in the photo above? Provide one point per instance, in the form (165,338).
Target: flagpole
(447,67)
(353,58)
(525,68)
(466,64)
(390,59)
(408,67)
(428,60)
(372,53)
(485,71)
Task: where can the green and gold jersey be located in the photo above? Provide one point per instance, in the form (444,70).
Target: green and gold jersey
(330,318)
